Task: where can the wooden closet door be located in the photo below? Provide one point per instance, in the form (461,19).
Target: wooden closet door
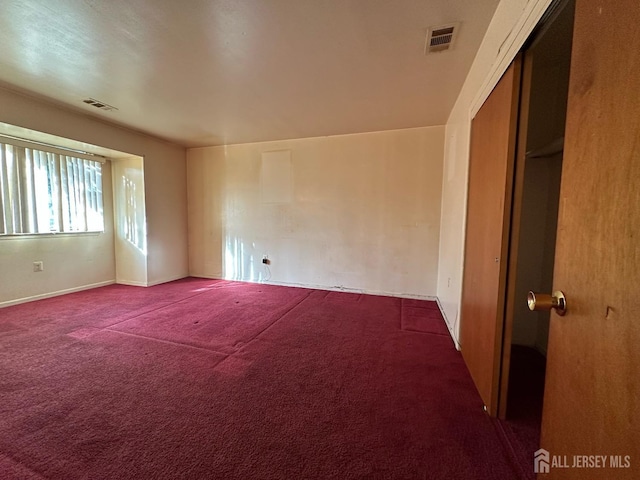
(592,390)
(492,157)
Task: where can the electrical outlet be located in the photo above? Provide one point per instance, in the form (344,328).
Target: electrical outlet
(38,266)
(265,260)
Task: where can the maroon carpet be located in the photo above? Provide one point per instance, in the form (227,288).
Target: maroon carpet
(212,379)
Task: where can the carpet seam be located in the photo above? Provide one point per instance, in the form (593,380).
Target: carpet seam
(156,309)
(109,327)
(408,330)
(22,464)
(277,319)
(217,287)
(179,344)
(243,386)
(424,333)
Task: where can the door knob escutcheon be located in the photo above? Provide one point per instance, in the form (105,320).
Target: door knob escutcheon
(544,301)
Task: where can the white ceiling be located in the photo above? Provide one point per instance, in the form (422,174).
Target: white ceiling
(212,72)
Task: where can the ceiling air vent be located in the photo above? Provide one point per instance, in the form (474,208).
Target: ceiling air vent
(441,38)
(98,104)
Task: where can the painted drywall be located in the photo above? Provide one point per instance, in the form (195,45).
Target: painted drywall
(359,212)
(511,25)
(130,230)
(165,187)
(71,261)
(164,174)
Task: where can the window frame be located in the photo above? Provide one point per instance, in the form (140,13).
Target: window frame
(62,154)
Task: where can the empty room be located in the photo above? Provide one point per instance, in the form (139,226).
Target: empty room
(359,239)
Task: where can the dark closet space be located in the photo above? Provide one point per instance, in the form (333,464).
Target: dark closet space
(545,82)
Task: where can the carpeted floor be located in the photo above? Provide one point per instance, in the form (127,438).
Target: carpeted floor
(206,379)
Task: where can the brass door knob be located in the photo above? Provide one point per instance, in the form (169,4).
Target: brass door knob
(544,301)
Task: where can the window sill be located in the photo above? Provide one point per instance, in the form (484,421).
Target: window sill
(25,236)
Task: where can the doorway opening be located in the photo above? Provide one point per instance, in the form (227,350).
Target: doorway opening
(543,109)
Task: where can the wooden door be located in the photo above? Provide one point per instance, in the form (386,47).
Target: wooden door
(592,392)
(492,154)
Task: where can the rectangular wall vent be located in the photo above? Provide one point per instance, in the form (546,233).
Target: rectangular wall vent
(98,104)
(441,38)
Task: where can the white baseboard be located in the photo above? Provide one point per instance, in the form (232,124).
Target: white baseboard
(328,288)
(131,283)
(134,283)
(166,280)
(57,293)
(352,290)
(448,324)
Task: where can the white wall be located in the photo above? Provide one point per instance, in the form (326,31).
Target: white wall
(511,25)
(130,221)
(165,189)
(70,261)
(359,211)
(165,181)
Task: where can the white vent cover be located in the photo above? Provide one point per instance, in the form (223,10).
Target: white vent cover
(98,104)
(441,38)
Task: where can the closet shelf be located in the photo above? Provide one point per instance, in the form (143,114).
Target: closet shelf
(549,150)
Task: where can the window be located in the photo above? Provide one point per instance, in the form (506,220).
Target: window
(46,190)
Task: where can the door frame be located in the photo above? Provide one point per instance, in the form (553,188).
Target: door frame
(514,233)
